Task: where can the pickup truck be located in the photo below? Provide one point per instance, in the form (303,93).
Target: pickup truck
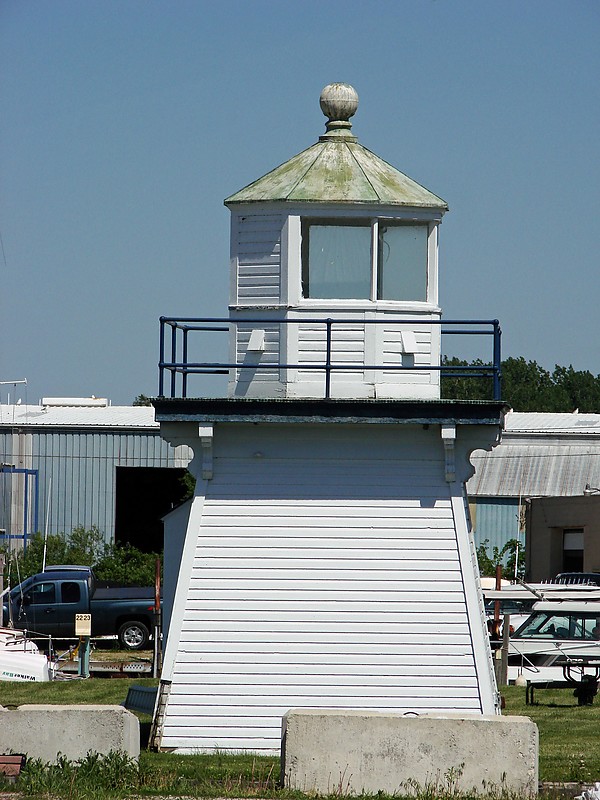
(46,604)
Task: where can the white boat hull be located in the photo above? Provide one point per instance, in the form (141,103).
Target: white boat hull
(23,666)
(20,658)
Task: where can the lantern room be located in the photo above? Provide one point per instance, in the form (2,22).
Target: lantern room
(334,274)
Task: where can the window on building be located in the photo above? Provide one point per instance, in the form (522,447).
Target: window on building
(364,259)
(572,549)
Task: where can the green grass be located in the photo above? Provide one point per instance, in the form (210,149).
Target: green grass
(111,691)
(568,750)
(568,732)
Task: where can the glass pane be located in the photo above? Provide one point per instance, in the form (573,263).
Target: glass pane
(43,593)
(70,592)
(402,262)
(539,625)
(339,261)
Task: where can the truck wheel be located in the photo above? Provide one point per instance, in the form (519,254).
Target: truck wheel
(133,635)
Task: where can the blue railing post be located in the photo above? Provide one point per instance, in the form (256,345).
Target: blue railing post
(328,323)
(497,361)
(161,363)
(173,358)
(185,361)
(36,500)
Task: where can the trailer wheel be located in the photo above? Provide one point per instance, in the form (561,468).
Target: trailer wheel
(133,635)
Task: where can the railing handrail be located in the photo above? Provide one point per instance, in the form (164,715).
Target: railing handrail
(207,324)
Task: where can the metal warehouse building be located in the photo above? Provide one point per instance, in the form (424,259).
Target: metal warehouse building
(540,455)
(72,462)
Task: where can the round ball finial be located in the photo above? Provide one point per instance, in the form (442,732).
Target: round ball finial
(339,102)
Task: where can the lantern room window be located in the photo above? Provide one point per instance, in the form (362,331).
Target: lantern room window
(370,259)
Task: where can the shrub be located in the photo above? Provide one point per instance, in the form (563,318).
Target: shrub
(112,563)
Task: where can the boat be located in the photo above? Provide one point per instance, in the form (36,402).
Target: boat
(517,600)
(21,659)
(559,642)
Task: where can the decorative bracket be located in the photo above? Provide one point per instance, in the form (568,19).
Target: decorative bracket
(449,440)
(205,433)
(256,343)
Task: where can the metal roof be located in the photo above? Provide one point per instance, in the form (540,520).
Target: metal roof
(540,455)
(552,424)
(337,169)
(25,416)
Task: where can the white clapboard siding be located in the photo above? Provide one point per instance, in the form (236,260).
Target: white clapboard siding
(322,575)
(392,353)
(347,347)
(269,356)
(258,255)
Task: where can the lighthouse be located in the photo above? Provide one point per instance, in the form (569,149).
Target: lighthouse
(326,559)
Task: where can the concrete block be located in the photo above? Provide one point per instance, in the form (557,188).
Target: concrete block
(353,752)
(44,731)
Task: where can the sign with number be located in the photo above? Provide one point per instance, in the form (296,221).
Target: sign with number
(83,624)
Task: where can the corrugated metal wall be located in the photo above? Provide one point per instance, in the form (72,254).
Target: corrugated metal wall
(495,519)
(76,474)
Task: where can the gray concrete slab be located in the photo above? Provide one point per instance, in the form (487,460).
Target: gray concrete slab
(44,731)
(349,752)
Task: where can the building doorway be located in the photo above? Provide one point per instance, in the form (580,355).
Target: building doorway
(143,496)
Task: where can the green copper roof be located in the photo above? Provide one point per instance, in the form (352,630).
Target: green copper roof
(337,169)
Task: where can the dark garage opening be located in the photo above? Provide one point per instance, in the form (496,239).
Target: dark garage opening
(143,496)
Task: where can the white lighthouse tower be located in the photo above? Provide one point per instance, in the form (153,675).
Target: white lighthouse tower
(326,559)
(335,233)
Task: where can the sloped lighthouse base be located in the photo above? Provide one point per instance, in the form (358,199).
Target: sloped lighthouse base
(327,563)
(354,752)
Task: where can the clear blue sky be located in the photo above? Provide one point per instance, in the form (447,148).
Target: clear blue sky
(125,123)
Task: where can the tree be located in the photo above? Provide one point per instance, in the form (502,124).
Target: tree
(188,483)
(127,566)
(527,386)
(142,400)
(457,385)
(581,389)
(87,547)
(504,557)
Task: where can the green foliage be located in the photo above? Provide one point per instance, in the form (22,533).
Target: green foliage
(115,775)
(188,483)
(83,546)
(126,565)
(84,778)
(526,386)
(505,556)
(120,564)
(142,400)
(456,385)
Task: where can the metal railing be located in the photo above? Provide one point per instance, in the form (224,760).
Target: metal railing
(180,328)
